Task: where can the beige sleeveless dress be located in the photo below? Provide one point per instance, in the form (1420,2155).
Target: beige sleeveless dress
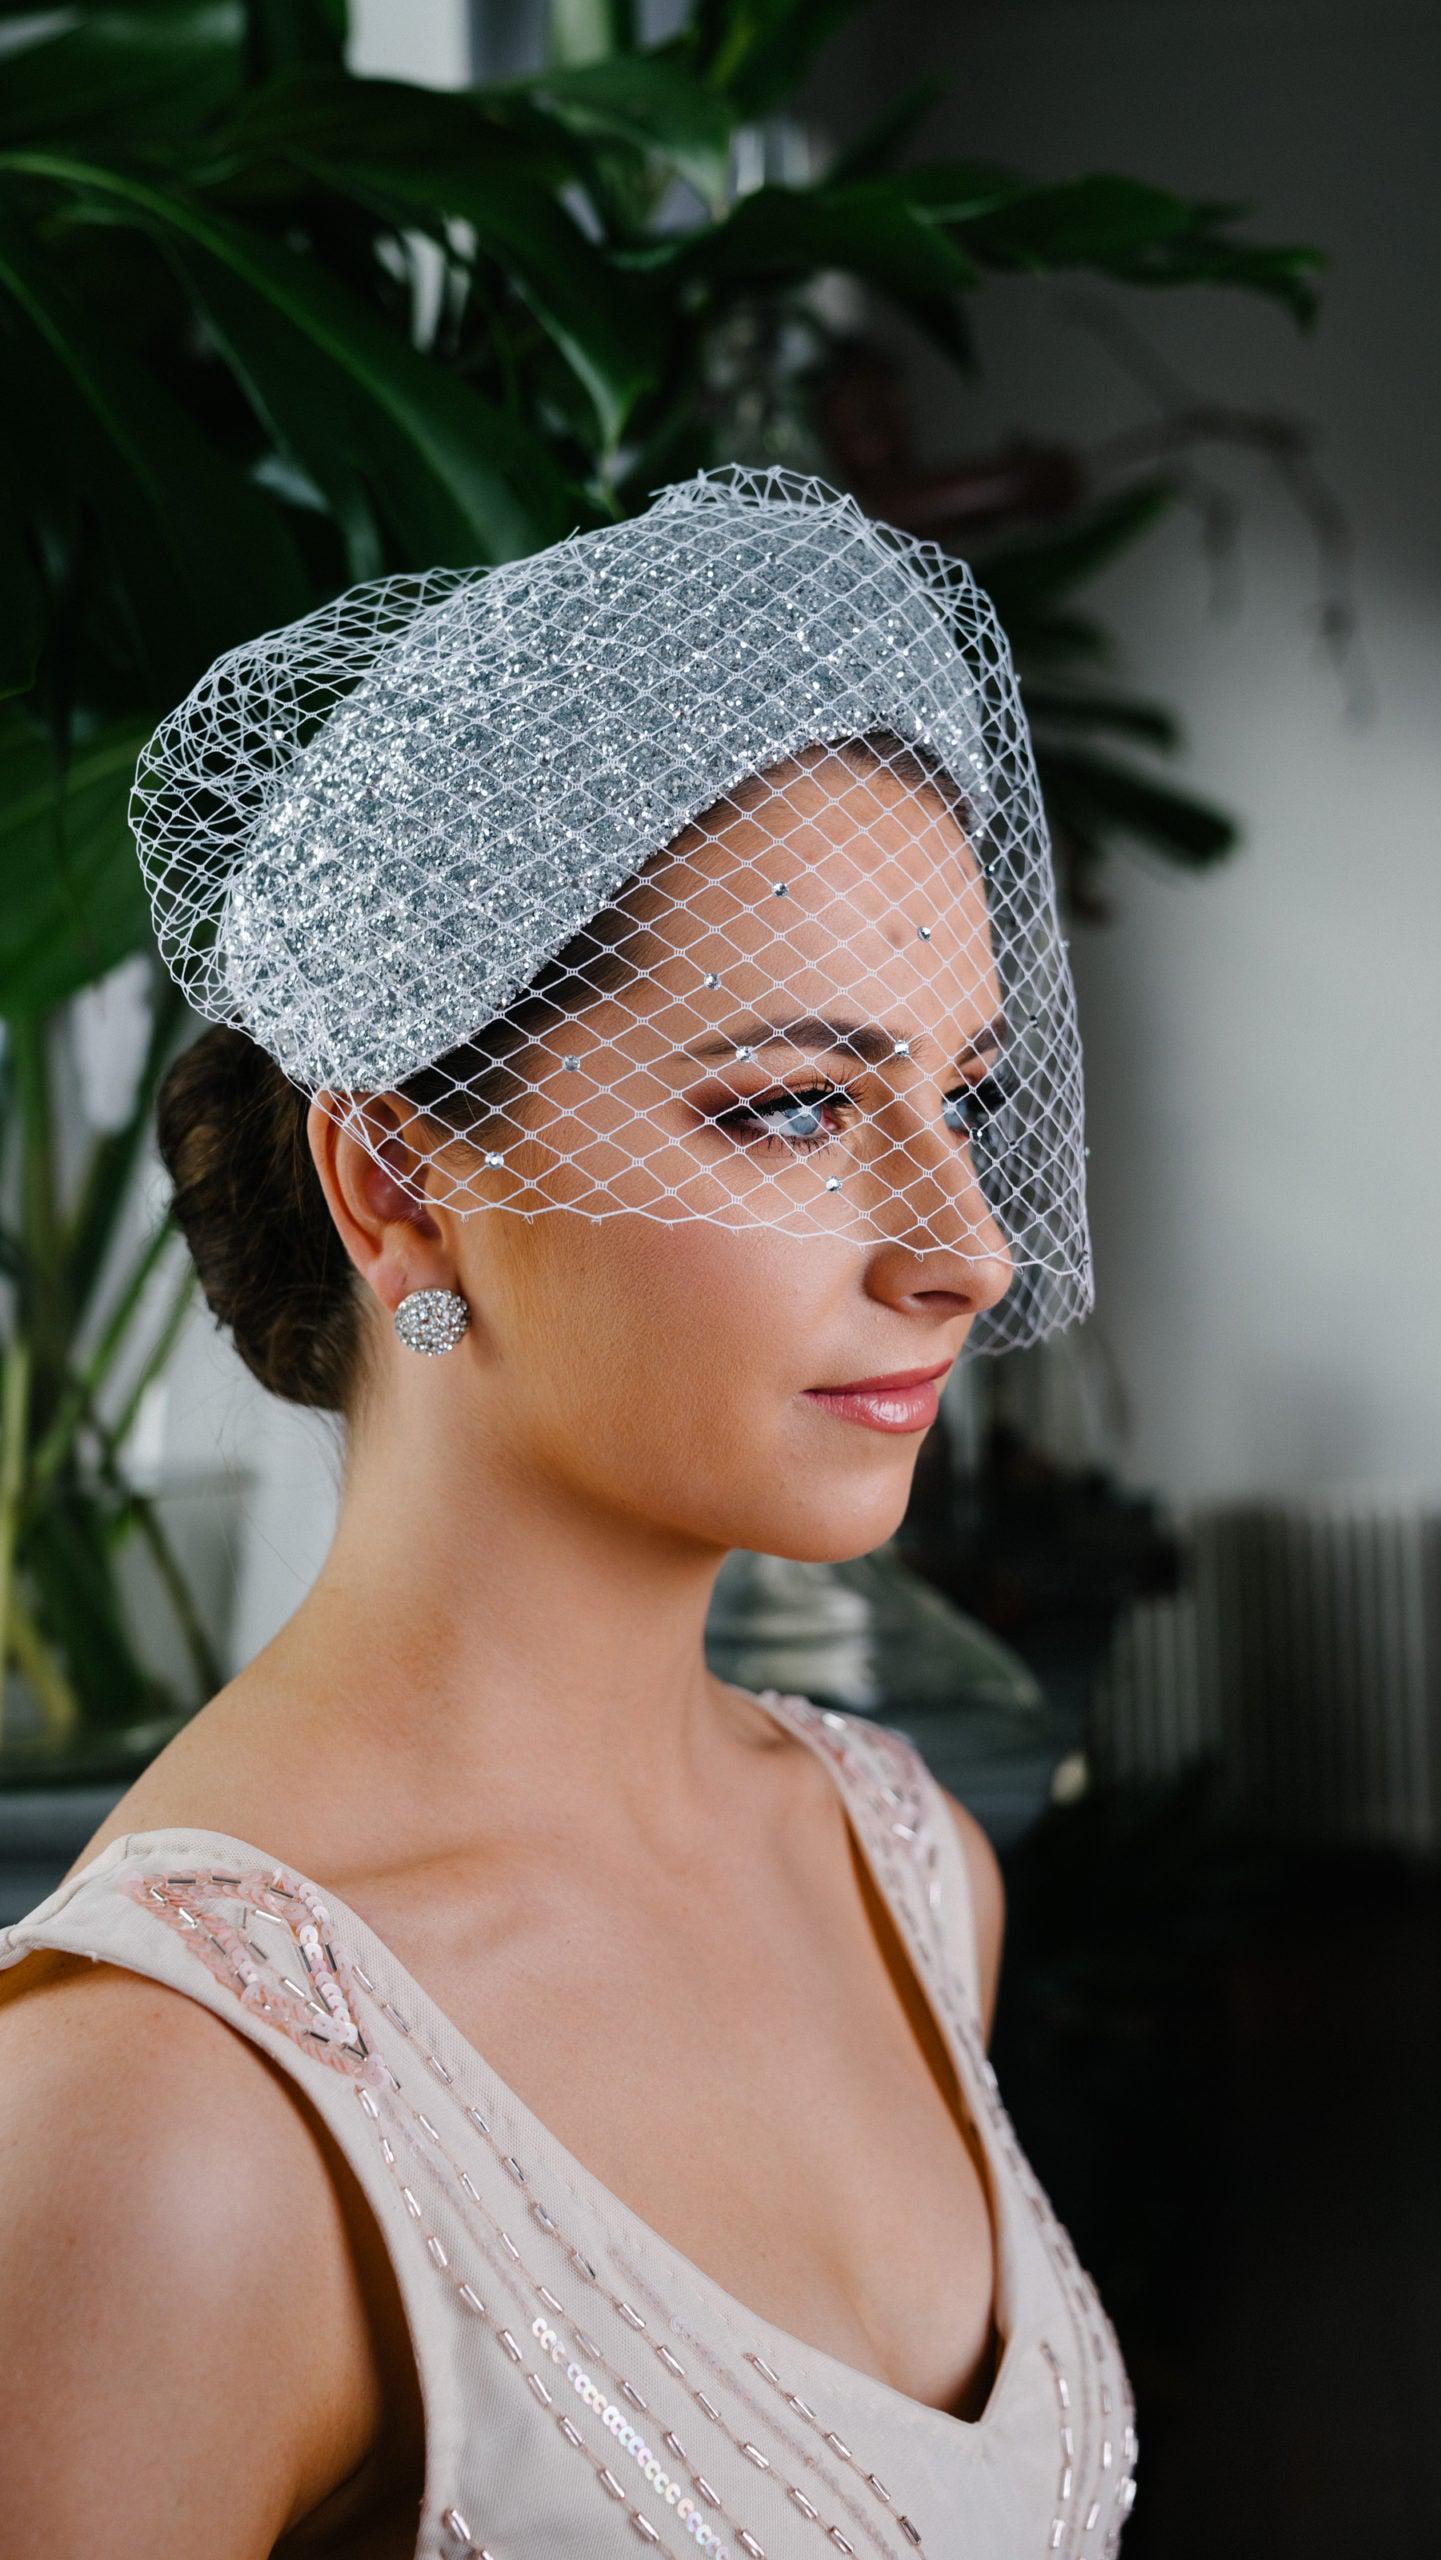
(586,2387)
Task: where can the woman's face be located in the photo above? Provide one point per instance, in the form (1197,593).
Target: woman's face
(776,1224)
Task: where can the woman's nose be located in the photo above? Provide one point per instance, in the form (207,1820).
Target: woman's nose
(938,1223)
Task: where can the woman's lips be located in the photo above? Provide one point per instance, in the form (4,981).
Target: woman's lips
(909,1401)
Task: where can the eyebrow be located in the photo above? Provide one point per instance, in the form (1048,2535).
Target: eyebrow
(868,1041)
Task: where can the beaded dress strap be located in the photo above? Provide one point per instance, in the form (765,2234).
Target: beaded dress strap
(904,1819)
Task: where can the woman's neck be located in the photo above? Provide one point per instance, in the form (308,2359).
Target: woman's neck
(482,1641)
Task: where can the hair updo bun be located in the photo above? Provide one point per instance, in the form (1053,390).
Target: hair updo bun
(248,1201)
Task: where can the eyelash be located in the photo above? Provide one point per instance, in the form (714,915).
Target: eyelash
(989,1094)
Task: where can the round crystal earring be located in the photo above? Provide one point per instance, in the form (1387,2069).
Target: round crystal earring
(431,1319)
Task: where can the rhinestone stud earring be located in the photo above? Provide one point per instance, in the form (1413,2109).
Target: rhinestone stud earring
(432,1320)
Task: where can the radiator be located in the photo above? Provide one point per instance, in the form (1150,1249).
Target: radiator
(1303,1656)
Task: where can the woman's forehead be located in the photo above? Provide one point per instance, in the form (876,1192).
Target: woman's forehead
(835,882)
(827,799)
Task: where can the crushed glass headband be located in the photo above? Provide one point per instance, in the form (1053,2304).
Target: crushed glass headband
(693,867)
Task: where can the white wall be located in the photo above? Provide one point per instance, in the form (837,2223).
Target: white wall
(427,40)
(1264,1044)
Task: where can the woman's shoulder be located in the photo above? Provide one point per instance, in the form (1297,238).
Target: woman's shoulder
(162,2105)
(229,1770)
(171,2218)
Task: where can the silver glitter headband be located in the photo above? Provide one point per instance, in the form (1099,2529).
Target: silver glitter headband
(512,842)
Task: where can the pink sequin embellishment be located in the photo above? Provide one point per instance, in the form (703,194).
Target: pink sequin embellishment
(318,2013)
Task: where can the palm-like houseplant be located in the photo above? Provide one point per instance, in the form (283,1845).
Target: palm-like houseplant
(270,328)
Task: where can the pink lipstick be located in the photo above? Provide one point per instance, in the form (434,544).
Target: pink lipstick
(908,1401)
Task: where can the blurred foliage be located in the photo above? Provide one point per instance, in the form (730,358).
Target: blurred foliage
(269,328)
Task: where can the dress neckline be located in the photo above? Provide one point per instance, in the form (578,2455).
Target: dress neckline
(611,2208)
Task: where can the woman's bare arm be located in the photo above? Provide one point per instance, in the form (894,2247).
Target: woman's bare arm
(187,2361)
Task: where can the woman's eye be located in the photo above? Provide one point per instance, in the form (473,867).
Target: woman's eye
(808,1117)
(979,1111)
(790,1119)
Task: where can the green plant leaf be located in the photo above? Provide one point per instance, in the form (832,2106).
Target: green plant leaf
(1046,639)
(158,1353)
(589,30)
(280,32)
(386,145)
(757,50)
(114,1152)
(43,1304)
(602,320)
(783,235)
(67,1556)
(74,901)
(309,112)
(454,478)
(77,1401)
(870,227)
(649,103)
(1111,797)
(99,423)
(1117,714)
(147,76)
(1087,221)
(1116,225)
(1280,272)
(22,628)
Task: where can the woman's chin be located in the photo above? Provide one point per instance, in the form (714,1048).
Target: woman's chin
(827,1533)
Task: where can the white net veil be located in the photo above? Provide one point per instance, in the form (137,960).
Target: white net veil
(692,867)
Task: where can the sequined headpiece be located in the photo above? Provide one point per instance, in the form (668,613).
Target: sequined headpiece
(513,845)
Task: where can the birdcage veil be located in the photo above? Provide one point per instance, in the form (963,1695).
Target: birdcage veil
(694,866)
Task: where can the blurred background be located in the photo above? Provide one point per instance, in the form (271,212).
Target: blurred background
(1133,303)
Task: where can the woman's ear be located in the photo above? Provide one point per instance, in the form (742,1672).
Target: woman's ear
(391,1237)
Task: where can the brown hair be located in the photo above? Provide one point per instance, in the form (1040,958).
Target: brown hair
(247,1197)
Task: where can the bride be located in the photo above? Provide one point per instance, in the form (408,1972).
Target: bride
(642,1063)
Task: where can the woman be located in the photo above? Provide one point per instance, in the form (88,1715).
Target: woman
(636,991)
